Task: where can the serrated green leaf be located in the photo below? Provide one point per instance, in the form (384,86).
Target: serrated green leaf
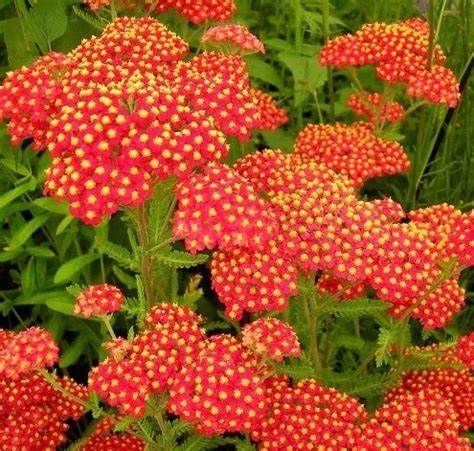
(115,251)
(72,267)
(353,308)
(24,233)
(180,259)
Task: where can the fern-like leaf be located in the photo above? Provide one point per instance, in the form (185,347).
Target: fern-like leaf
(91,20)
(180,259)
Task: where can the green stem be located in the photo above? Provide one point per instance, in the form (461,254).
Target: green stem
(58,387)
(106,320)
(312,322)
(325,14)
(146,262)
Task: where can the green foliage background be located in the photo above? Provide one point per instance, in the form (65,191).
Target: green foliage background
(43,250)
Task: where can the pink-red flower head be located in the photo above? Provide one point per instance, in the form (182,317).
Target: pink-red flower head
(235,35)
(374,108)
(99,300)
(270,337)
(220,392)
(271,115)
(220,208)
(23,352)
(353,150)
(401,54)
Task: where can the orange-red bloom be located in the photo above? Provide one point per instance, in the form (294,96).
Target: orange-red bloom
(353,150)
(400,53)
(235,35)
(373,106)
(99,300)
(270,337)
(23,352)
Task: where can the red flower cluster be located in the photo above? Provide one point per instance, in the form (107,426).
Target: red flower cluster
(103,438)
(124,109)
(400,53)
(373,106)
(151,360)
(272,338)
(307,414)
(340,288)
(465,350)
(424,421)
(358,244)
(353,150)
(23,352)
(221,390)
(271,116)
(33,415)
(99,300)
(256,281)
(235,35)
(456,386)
(197,11)
(219,208)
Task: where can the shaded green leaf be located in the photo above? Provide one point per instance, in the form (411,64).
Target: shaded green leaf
(72,267)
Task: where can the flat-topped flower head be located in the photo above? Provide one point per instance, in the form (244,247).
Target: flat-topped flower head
(198,11)
(220,391)
(218,207)
(307,413)
(456,386)
(34,415)
(234,35)
(272,338)
(352,150)
(99,300)
(26,351)
(271,115)
(261,169)
(123,385)
(424,420)
(375,108)
(171,316)
(401,54)
(114,442)
(28,98)
(253,281)
(436,308)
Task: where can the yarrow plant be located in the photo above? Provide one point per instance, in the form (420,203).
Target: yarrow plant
(137,125)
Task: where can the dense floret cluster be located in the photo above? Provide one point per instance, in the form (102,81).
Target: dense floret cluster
(271,116)
(23,352)
(272,338)
(124,109)
(196,11)
(353,150)
(401,54)
(234,35)
(34,415)
(98,300)
(151,361)
(373,106)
